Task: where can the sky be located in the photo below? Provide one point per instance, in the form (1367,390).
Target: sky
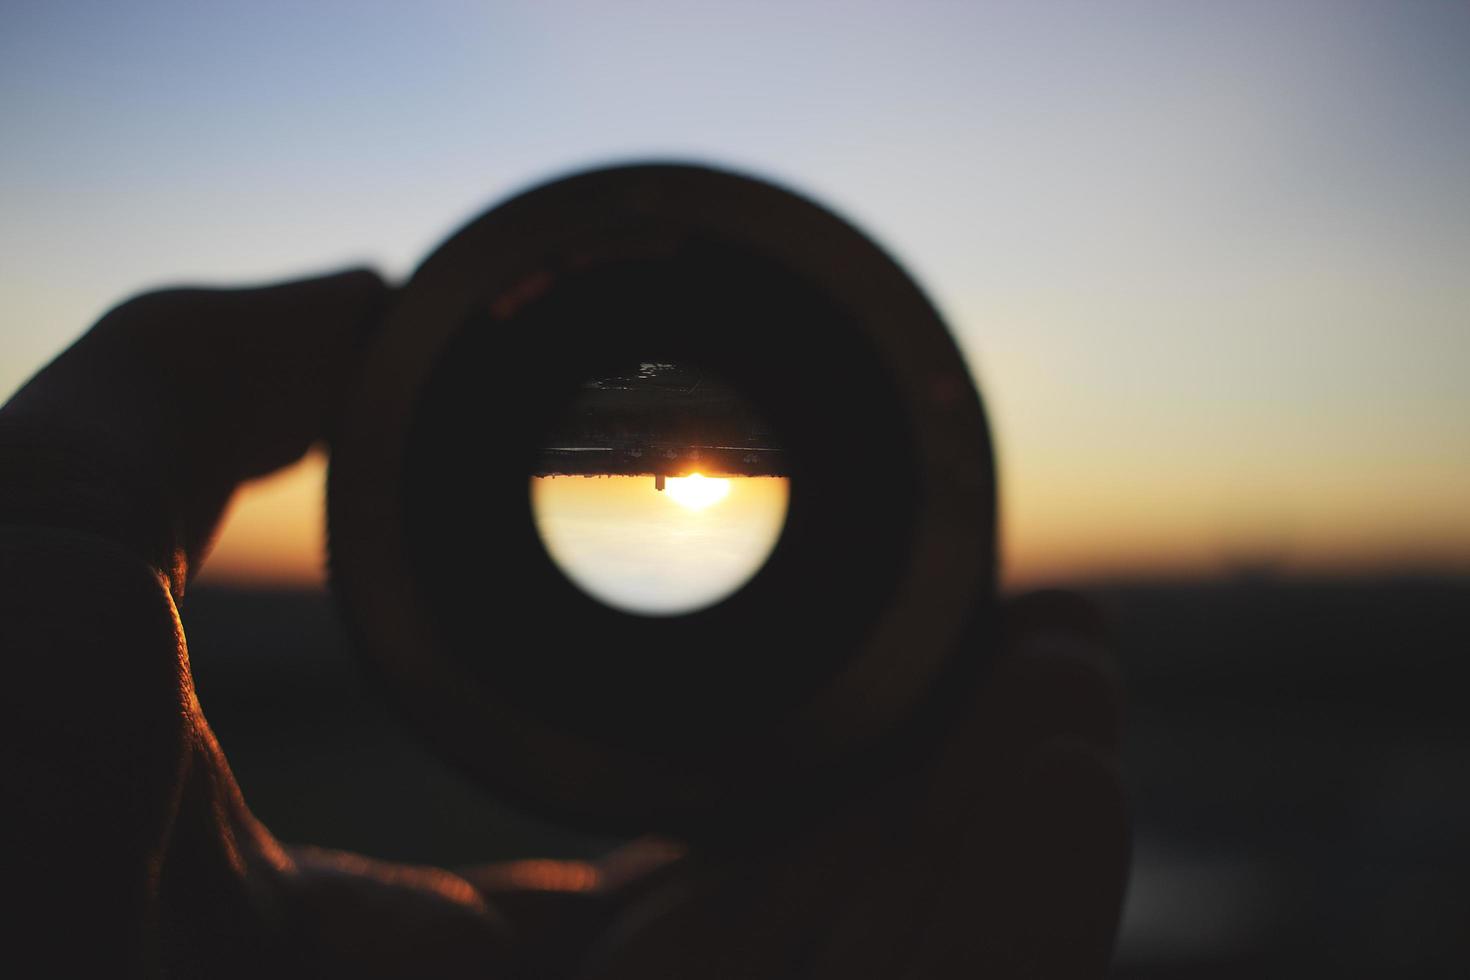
(1206,261)
(659,553)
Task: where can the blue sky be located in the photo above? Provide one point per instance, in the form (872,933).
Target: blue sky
(1207,260)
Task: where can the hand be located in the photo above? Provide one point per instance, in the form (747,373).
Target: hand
(1003,856)
(127,834)
(201,389)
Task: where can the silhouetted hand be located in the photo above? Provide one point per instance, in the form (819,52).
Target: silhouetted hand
(1003,856)
(200,389)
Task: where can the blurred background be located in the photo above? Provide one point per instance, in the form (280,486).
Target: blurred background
(1206,261)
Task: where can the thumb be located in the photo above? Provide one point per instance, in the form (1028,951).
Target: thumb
(248,379)
(223,384)
(200,389)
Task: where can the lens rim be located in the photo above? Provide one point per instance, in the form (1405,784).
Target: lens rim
(582,772)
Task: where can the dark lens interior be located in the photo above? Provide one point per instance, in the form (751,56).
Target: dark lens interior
(496,399)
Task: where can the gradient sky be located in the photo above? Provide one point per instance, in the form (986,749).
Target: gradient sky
(1206,260)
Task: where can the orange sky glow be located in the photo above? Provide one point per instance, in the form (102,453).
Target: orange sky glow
(1206,261)
(1056,527)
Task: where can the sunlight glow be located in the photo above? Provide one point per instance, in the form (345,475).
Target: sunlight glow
(697,491)
(626,545)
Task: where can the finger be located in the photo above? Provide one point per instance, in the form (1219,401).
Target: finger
(1055,610)
(315,331)
(1005,853)
(253,376)
(951,893)
(557,910)
(211,385)
(1035,889)
(359,917)
(181,394)
(1051,680)
(1038,842)
(1056,675)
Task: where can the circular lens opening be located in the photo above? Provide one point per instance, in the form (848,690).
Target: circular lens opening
(660,491)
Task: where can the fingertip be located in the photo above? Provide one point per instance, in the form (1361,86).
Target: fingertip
(1058,675)
(349,296)
(360,280)
(1057,610)
(173,306)
(323,323)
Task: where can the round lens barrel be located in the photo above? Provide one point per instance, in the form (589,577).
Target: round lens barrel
(849,386)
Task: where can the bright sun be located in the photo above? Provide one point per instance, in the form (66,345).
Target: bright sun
(696,491)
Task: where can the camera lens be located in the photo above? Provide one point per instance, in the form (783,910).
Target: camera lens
(656,324)
(696,303)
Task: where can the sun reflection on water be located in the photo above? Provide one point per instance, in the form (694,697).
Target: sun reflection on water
(697,491)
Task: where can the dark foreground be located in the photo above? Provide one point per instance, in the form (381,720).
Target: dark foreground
(1298,753)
